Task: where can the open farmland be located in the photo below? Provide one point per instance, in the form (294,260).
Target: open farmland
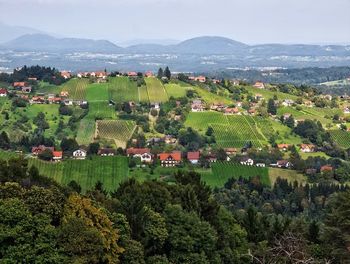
(267,94)
(108,170)
(229,131)
(176,90)
(101,110)
(118,130)
(211,98)
(97,92)
(76,88)
(222,171)
(156,90)
(122,89)
(86,131)
(342,138)
(143,94)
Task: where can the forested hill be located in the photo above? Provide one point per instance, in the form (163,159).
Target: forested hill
(154,222)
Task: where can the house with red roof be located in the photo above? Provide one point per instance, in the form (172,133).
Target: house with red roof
(132,74)
(326,168)
(201,79)
(149,74)
(231,111)
(193,157)
(259,85)
(283,147)
(143,153)
(3,92)
(19,84)
(55,100)
(37,100)
(170,159)
(66,74)
(39,149)
(57,155)
(106,152)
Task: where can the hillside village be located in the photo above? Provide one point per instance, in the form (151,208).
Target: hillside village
(175,120)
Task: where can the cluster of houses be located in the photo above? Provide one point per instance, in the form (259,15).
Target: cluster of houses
(53,99)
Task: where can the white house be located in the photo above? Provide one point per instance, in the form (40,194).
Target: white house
(79,154)
(247,162)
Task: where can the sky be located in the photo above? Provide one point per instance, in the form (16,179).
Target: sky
(248,21)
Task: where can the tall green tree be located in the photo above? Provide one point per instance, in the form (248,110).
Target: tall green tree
(160,74)
(167,73)
(271,107)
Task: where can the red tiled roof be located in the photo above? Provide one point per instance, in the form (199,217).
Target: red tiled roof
(175,155)
(134,151)
(282,146)
(19,84)
(326,168)
(3,91)
(193,155)
(57,154)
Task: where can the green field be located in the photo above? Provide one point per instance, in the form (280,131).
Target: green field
(267,94)
(109,170)
(211,98)
(342,138)
(289,175)
(97,92)
(229,131)
(176,90)
(118,130)
(122,89)
(156,91)
(86,131)
(222,171)
(143,94)
(101,110)
(76,88)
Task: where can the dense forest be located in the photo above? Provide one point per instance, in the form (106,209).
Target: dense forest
(156,222)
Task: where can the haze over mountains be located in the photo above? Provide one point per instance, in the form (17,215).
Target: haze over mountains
(201,45)
(21,45)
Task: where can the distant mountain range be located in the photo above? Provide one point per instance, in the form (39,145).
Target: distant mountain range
(199,45)
(200,54)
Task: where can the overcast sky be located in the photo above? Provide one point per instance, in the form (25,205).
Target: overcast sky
(249,21)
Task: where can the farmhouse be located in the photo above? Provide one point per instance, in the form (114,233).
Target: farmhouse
(170,140)
(37,100)
(287,102)
(3,92)
(26,89)
(307,148)
(247,161)
(231,111)
(79,154)
(212,159)
(64,94)
(235,82)
(66,74)
(258,97)
(230,151)
(262,165)
(132,74)
(197,106)
(252,111)
(259,85)
(54,100)
(106,152)
(193,157)
(39,149)
(283,147)
(201,79)
(19,84)
(170,159)
(143,153)
(149,74)
(284,164)
(326,168)
(57,155)
(217,107)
